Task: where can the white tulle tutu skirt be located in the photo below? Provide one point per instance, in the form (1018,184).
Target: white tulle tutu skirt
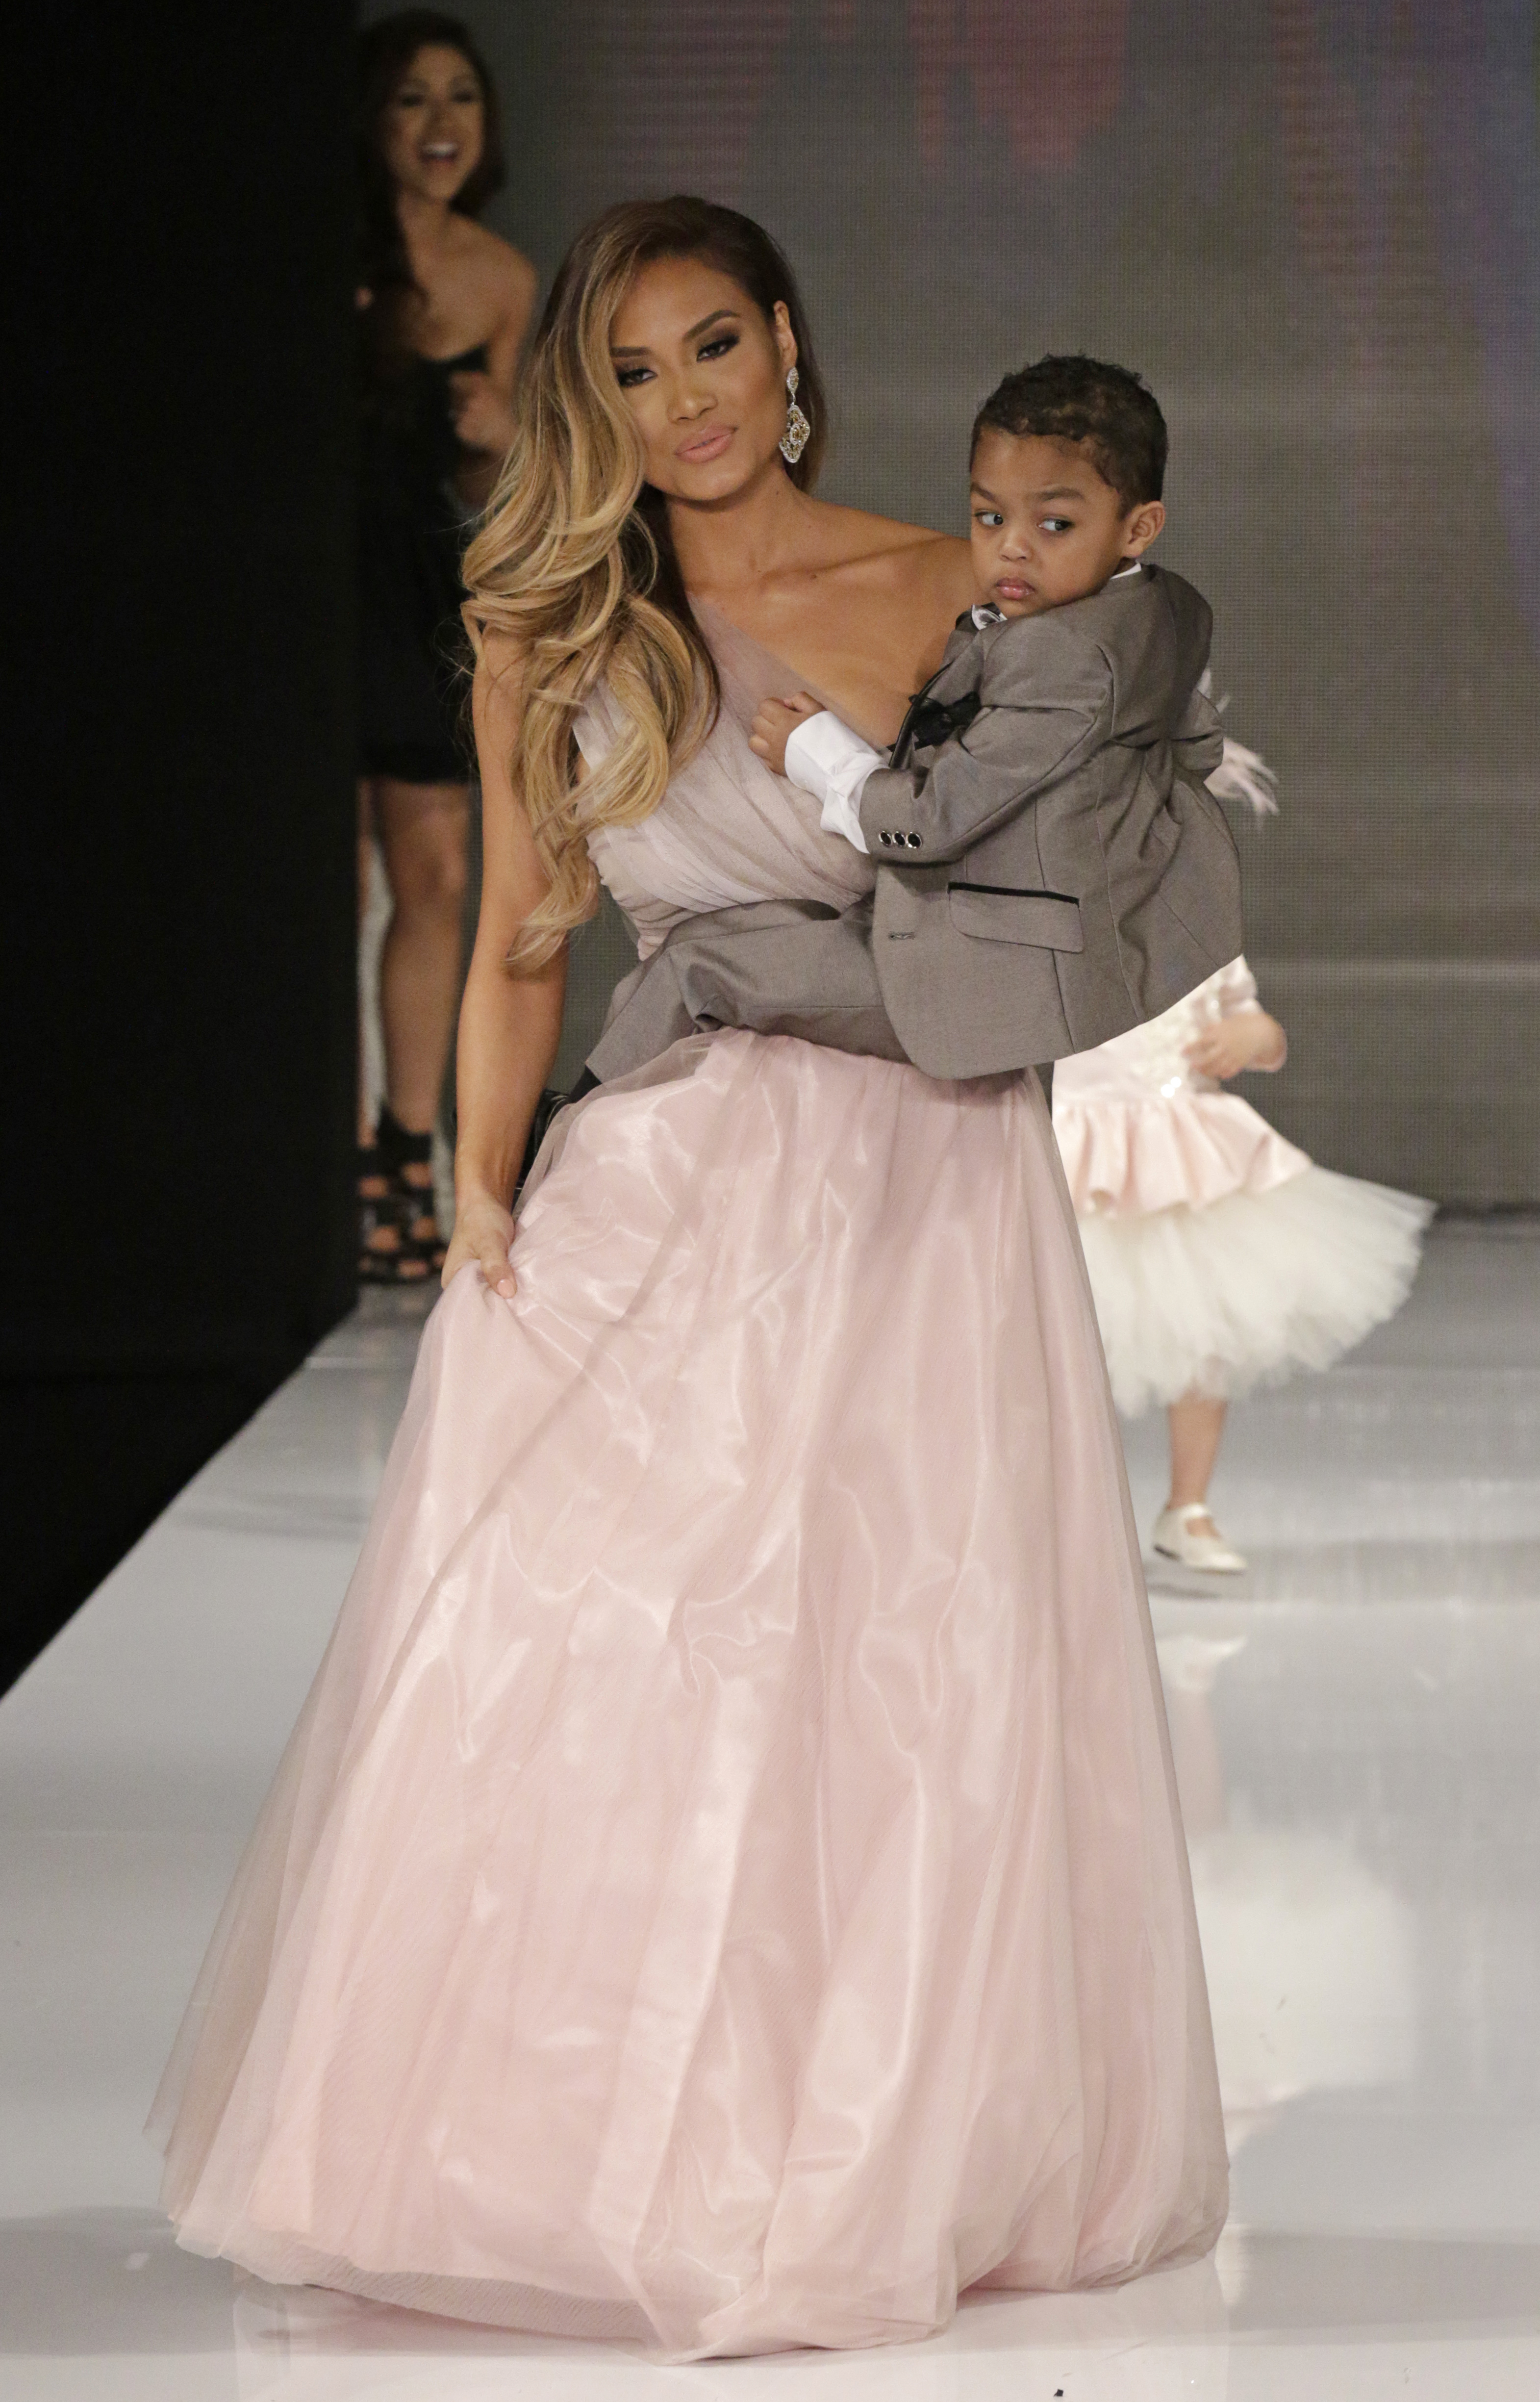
(1251,1287)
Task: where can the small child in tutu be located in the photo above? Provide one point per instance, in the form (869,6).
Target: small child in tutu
(1219,1256)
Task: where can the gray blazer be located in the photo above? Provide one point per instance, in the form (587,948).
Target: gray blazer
(776,967)
(1050,870)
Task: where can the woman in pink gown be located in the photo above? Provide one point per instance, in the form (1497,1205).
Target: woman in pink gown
(725,1888)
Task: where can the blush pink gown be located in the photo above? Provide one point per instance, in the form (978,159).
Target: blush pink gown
(725,1886)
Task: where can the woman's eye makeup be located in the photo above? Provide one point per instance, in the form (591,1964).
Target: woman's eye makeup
(716,348)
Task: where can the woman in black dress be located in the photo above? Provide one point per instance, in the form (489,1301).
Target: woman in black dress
(444,307)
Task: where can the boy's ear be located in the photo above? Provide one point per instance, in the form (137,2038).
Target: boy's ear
(1145,521)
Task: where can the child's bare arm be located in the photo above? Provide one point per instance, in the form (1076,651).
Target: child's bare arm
(1249,1039)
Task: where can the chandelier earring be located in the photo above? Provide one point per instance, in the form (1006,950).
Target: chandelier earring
(794,441)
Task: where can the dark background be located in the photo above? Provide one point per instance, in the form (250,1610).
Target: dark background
(1316,226)
(179,902)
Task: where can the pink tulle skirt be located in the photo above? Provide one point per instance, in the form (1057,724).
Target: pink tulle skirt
(725,1886)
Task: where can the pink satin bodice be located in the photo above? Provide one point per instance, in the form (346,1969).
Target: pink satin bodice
(1141,1129)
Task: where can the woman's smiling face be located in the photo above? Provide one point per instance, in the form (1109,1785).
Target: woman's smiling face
(704,375)
(432,127)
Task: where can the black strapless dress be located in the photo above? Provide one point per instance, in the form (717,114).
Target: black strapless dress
(411,533)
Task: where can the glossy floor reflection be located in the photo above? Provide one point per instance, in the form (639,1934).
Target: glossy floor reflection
(1357,1732)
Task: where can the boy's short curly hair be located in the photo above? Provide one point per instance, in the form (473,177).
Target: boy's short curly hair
(1109,409)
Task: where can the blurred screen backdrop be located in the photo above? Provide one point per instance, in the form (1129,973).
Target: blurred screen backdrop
(1314,225)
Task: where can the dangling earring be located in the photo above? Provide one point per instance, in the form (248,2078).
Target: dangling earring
(794,441)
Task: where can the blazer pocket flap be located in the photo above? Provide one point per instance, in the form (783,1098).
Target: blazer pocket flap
(993,914)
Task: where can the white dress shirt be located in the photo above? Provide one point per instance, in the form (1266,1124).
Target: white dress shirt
(824,757)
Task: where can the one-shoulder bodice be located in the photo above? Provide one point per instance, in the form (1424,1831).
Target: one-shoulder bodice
(727,831)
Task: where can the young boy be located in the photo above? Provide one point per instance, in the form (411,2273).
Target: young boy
(1048,865)
(1049,868)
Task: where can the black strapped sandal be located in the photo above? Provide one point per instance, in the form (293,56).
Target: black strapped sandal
(398,1239)
(407,1160)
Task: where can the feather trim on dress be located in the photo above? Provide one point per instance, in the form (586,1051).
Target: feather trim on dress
(1242,775)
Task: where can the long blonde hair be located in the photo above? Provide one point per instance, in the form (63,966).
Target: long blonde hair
(574,562)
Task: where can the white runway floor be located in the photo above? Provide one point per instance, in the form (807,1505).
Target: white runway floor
(1359,1731)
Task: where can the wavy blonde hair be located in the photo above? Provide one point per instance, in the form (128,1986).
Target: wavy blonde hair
(573,561)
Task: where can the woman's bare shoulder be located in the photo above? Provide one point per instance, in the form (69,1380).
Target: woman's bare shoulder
(944,562)
(497,687)
(887,552)
(500,652)
(862,534)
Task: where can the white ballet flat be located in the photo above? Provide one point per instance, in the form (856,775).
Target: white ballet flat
(1174,1540)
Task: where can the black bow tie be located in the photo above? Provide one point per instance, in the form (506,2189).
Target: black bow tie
(930,722)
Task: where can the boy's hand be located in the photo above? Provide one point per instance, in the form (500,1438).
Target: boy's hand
(775,722)
(1250,1039)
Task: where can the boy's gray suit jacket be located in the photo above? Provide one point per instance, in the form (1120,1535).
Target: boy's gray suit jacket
(1051,868)
(1064,872)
